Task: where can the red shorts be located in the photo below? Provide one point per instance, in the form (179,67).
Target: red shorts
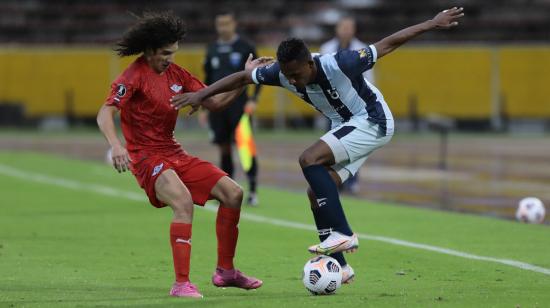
(197,175)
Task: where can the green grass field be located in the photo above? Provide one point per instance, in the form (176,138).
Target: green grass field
(76,233)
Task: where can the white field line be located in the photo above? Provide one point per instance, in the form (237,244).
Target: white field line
(134,196)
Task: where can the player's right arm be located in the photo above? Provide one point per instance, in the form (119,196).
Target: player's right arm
(444,20)
(106,123)
(205,97)
(122,90)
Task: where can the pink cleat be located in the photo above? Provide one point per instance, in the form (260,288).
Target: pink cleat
(234,278)
(185,289)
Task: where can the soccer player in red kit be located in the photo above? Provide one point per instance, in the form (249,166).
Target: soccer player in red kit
(167,173)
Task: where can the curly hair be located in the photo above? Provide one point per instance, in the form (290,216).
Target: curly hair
(293,49)
(153,30)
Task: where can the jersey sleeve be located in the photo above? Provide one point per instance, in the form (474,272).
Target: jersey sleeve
(191,83)
(122,90)
(355,62)
(268,75)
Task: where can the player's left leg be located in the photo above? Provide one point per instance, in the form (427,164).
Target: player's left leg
(349,146)
(324,231)
(230,196)
(315,162)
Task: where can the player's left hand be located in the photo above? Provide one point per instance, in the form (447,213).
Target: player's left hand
(448,18)
(250,106)
(261,61)
(186,99)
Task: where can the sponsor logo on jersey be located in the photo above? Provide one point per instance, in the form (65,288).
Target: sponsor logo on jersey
(333,93)
(120,90)
(176,88)
(157,169)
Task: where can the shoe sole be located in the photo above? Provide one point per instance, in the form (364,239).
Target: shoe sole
(186,296)
(234,286)
(336,249)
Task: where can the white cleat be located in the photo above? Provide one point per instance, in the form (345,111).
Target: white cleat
(252,199)
(336,242)
(347,274)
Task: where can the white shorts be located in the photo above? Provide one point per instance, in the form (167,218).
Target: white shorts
(352,143)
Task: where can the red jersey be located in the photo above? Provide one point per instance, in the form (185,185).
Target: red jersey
(143,98)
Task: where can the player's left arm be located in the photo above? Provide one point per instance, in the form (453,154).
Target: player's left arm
(444,20)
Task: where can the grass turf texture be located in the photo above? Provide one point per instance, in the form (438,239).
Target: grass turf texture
(67,247)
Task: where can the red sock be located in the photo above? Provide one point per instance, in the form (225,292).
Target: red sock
(180,239)
(227,233)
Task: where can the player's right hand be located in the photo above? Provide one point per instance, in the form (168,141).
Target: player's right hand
(261,61)
(121,158)
(186,99)
(448,18)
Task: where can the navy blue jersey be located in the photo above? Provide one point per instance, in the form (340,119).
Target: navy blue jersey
(339,90)
(225,58)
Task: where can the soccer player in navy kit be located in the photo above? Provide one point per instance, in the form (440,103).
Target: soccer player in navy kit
(361,119)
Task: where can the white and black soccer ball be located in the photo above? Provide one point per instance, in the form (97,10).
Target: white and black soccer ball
(530,210)
(322,275)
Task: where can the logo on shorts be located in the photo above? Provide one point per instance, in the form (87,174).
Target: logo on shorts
(157,169)
(322,201)
(176,88)
(120,90)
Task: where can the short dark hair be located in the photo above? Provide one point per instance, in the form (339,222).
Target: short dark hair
(153,30)
(226,11)
(293,49)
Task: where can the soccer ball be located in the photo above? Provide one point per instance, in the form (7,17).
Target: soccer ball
(322,275)
(530,210)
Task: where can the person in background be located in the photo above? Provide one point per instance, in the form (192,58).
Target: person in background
(225,56)
(345,40)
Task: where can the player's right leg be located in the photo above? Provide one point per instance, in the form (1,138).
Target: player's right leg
(347,271)
(171,190)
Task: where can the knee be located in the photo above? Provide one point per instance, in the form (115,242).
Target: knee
(234,196)
(307,159)
(182,207)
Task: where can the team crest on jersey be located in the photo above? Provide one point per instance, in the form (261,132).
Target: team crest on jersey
(215,63)
(157,169)
(120,90)
(176,88)
(362,53)
(235,59)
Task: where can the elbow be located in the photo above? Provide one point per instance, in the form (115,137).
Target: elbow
(102,115)
(212,105)
(99,117)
